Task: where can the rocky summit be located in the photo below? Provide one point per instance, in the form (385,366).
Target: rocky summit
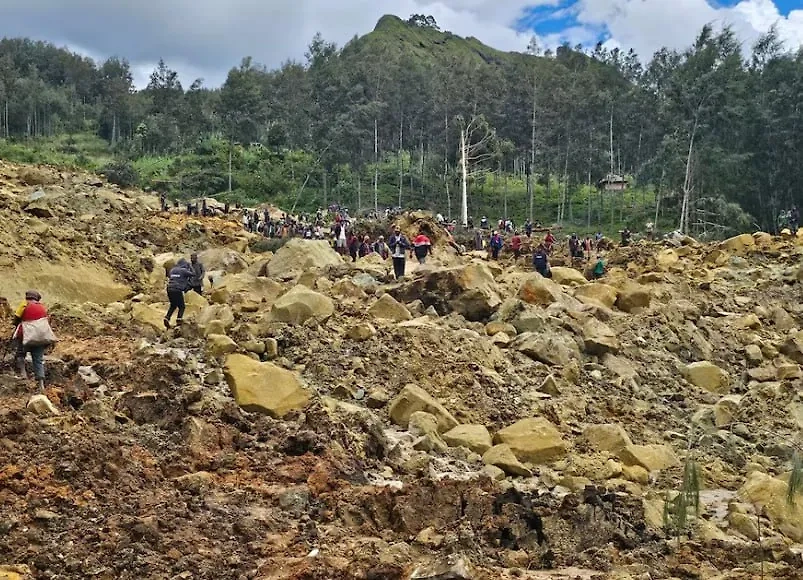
(315,419)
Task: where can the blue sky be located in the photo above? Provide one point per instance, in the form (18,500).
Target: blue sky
(647,25)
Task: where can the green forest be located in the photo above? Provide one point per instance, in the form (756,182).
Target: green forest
(709,138)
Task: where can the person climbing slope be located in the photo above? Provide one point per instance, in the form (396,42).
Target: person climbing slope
(422,247)
(200,272)
(179,281)
(32,335)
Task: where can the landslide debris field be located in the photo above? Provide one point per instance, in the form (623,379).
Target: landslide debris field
(315,419)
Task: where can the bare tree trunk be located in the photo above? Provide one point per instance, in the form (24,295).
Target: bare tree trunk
(376,167)
(359,193)
(114,129)
(325,192)
(611,132)
(401,157)
(684,210)
(659,195)
(589,193)
(464,178)
(530,184)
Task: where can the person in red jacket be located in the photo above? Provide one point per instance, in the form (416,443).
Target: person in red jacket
(422,247)
(515,245)
(30,310)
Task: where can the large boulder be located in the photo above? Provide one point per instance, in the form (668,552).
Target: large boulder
(412,399)
(738,244)
(300,304)
(469,290)
(793,347)
(632,297)
(150,316)
(707,376)
(219,312)
(533,440)
(474,437)
(299,255)
(222,260)
(539,290)
(568,276)
(264,387)
(551,349)
(599,338)
(597,293)
(249,287)
(607,437)
(389,308)
(666,259)
(650,457)
(771,493)
(502,456)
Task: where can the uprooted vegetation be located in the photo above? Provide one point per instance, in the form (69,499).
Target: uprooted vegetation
(315,419)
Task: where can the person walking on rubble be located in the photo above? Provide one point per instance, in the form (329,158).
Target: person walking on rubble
(399,244)
(200,273)
(422,247)
(179,281)
(32,335)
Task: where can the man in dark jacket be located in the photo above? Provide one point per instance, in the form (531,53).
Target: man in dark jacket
(200,273)
(179,281)
(399,244)
(541,261)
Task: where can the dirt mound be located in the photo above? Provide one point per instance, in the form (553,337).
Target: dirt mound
(145,466)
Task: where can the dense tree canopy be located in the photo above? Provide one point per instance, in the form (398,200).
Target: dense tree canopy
(705,129)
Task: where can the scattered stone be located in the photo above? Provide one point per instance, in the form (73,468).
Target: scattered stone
(550,386)
(540,291)
(607,437)
(389,308)
(89,376)
(770,493)
(271,348)
(255,346)
(738,244)
(599,338)
(502,456)
(300,304)
(495,473)
(533,440)
(707,376)
(219,345)
(551,349)
(264,387)
(195,483)
(422,423)
(745,525)
(650,457)
(633,298)
(474,437)
(377,399)
(753,355)
(568,276)
(41,405)
(412,399)
(725,410)
(597,293)
(361,332)
(494,328)
(300,255)
(453,568)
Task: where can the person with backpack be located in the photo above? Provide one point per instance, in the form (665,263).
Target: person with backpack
(381,248)
(32,335)
(422,247)
(541,261)
(179,281)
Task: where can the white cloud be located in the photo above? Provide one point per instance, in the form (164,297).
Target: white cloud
(205,38)
(647,25)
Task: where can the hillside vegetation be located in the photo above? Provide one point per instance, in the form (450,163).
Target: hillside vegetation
(708,137)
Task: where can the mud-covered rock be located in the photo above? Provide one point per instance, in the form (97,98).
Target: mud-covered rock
(474,437)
